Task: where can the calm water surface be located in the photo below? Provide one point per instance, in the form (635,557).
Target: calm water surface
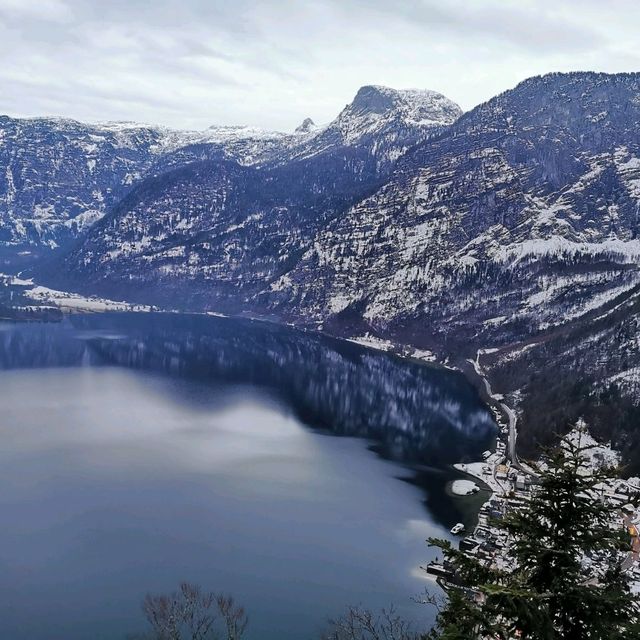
(141,450)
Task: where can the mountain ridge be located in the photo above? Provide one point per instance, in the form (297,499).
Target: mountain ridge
(58,176)
(513,224)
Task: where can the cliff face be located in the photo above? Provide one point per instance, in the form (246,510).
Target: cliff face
(514,224)
(521,216)
(59,177)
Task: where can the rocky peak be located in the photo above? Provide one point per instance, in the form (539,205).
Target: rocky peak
(415,105)
(307,126)
(376,109)
(372,99)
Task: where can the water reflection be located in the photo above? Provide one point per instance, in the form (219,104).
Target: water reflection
(414,413)
(141,450)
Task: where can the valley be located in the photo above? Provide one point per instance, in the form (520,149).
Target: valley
(512,228)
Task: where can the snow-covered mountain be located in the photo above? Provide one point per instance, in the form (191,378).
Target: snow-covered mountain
(58,177)
(307,126)
(522,215)
(513,227)
(231,228)
(385,121)
(517,224)
(378,110)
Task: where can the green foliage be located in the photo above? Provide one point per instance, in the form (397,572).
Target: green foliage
(461,619)
(564,579)
(611,416)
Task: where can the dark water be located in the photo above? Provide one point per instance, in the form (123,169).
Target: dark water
(142,450)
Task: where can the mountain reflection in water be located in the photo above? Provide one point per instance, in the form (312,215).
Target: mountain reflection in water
(414,413)
(141,450)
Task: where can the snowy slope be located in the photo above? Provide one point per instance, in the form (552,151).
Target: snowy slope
(524,214)
(58,177)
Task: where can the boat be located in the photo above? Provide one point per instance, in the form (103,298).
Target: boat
(457,528)
(437,569)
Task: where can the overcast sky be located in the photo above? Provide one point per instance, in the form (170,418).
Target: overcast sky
(270,63)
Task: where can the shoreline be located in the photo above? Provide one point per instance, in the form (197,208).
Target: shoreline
(71,303)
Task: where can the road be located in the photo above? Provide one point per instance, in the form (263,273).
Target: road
(508,412)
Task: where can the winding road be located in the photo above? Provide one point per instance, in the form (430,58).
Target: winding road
(507,411)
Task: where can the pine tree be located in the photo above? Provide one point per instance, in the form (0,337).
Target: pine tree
(564,579)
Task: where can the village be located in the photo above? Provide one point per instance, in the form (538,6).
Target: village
(512,483)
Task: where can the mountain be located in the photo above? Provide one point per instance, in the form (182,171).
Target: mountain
(512,228)
(306,126)
(384,121)
(522,215)
(58,177)
(230,230)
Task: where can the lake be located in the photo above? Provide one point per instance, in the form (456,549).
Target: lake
(299,473)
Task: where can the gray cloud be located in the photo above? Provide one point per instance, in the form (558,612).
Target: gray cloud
(192,63)
(533,27)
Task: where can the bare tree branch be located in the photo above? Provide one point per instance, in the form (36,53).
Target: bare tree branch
(193,614)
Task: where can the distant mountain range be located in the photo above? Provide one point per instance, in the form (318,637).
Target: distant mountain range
(512,227)
(58,177)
